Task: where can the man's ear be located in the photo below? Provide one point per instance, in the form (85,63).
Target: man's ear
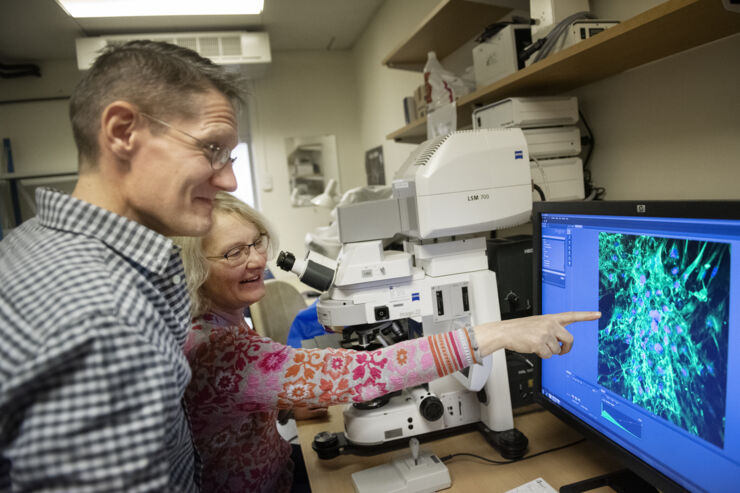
(118,129)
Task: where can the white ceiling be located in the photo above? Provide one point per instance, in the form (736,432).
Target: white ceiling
(36,30)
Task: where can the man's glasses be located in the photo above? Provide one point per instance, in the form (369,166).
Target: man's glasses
(240,254)
(220,156)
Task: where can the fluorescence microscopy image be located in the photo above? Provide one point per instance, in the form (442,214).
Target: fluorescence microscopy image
(664,328)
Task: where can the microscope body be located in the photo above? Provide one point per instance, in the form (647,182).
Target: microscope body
(461,293)
(447,197)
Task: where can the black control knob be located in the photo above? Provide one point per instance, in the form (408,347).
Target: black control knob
(326,445)
(381,313)
(431,408)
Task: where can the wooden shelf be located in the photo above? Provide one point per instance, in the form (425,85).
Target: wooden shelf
(451,24)
(667,29)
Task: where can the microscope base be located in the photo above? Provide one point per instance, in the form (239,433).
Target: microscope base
(328,445)
(511,444)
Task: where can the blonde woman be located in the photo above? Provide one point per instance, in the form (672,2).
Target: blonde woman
(240,379)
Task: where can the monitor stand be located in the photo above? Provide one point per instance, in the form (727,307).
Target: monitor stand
(622,481)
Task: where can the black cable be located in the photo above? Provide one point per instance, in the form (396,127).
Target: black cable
(598,192)
(544,46)
(531,49)
(590,137)
(519,356)
(538,189)
(587,160)
(500,462)
(557,32)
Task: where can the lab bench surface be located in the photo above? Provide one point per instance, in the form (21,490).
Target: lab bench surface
(544,431)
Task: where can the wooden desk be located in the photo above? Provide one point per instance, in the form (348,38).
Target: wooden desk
(468,474)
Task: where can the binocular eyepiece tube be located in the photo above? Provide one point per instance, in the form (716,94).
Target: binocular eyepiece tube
(313,270)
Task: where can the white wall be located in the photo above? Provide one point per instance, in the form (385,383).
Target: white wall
(303,94)
(39,131)
(670,129)
(381,89)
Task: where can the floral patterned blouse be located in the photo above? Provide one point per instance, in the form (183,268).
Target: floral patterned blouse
(240,380)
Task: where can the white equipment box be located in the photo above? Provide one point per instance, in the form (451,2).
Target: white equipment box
(404,475)
(559,179)
(498,56)
(582,29)
(528,113)
(551,142)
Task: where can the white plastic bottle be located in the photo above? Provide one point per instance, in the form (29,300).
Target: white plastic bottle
(437,91)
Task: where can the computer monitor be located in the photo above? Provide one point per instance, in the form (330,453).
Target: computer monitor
(657,378)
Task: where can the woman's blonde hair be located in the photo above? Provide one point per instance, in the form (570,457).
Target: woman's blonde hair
(194,259)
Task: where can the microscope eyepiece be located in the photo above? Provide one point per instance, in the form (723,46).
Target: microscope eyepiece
(310,271)
(285,260)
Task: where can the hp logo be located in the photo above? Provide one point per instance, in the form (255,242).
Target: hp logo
(641,208)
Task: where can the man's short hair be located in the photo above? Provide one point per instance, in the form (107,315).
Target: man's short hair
(155,76)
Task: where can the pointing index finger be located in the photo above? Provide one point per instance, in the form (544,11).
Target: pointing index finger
(567,318)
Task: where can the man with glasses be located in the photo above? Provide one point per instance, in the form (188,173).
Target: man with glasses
(93,303)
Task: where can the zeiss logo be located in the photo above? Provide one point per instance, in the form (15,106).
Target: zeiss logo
(518,155)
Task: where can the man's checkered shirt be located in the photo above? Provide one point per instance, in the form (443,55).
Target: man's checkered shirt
(93,317)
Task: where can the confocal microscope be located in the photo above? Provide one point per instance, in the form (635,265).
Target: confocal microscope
(447,197)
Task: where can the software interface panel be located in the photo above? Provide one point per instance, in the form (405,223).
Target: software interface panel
(653,373)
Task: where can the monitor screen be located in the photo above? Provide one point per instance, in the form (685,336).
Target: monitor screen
(658,376)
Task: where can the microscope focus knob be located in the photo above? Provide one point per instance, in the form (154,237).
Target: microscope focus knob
(326,445)
(431,408)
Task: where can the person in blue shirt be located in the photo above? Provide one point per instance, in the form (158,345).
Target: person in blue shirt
(305,326)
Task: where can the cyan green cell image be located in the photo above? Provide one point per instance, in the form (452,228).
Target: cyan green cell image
(663,334)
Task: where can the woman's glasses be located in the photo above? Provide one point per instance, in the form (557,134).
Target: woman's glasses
(240,254)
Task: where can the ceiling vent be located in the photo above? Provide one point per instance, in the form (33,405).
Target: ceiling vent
(249,50)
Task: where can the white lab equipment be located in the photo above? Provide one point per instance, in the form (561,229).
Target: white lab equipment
(418,472)
(498,56)
(450,193)
(553,140)
(582,29)
(325,239)
(328,198)
(531,112)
